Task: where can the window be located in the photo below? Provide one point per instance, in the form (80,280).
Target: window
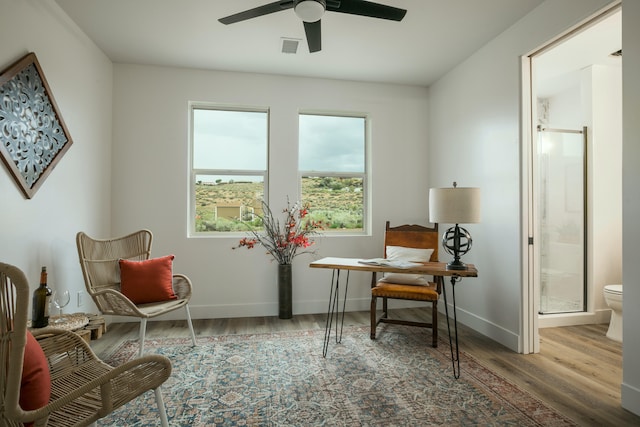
(332,169)
(228,167)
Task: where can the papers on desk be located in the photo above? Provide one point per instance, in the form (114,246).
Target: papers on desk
(389,263)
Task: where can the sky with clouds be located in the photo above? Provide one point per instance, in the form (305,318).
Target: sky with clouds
(228,140)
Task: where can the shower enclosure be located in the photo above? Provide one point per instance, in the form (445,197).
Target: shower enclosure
(562,216)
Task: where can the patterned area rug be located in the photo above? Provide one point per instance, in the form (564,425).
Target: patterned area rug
(281,379)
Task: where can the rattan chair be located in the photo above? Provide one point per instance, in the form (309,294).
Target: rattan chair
(397,286)
(83,388)
(100,268)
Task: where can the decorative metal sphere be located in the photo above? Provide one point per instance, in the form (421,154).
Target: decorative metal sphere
(448,241)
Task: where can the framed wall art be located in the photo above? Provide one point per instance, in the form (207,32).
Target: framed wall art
(33,136)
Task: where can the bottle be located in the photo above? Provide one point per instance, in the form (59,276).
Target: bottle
(40,303)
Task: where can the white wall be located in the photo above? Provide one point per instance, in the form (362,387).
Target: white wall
(631,204)
(76,195)
(475,121)
(150,158)
(605,201)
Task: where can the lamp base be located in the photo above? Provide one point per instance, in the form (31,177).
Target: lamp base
(456,265)
(456,241)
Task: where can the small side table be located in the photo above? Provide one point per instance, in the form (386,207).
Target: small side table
(88,326)
(97,326)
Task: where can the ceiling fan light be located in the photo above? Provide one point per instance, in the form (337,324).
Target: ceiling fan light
(310,10)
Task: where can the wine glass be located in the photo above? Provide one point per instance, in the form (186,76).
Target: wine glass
(60,298)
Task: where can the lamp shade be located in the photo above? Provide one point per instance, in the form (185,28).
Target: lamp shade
(310,10)
(457,205)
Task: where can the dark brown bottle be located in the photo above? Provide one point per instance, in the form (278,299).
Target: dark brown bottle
(40,303)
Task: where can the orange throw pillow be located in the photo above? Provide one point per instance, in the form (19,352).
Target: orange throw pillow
(147,281)
(35,386)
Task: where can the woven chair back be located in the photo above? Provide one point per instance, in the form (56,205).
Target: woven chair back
(99,258)
(14,303)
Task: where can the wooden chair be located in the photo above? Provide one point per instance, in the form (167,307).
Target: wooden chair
(99,259)
(83,389)
(404,286)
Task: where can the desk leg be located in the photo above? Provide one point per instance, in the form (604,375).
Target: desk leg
(334,309)
(455,359)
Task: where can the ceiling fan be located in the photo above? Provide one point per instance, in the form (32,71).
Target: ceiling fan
(310,11)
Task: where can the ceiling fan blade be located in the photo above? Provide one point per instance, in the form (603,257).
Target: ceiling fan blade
(367,8)
(313,30)
(266,9)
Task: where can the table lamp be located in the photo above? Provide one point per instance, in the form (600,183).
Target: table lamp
(455,206)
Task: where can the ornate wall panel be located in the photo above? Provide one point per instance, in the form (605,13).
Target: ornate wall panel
(33,136)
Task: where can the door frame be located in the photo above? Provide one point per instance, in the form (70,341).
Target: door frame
(530,294)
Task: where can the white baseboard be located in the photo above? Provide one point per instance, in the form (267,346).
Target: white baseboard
(507,338)
(483,326)
(630,398)
(572,319)
(491,330)
(225,311)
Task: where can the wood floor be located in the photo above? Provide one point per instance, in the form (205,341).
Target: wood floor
(578,370)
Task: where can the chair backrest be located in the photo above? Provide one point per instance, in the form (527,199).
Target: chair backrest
(412,236)
(99,257)
(14,306)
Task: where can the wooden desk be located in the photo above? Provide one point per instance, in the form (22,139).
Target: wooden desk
(436,269)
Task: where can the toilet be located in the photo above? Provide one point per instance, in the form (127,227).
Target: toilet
(613,297)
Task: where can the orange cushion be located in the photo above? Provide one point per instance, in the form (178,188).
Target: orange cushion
(35,386)
(409,292)
(147,281)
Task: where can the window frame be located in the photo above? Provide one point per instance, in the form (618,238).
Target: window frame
(194,172)
(365,175)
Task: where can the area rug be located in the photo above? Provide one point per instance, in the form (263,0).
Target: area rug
(281,379)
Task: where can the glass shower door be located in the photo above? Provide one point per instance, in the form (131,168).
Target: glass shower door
(562,207)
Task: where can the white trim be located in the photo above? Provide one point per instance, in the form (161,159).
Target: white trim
(364,175)
(529,342)
(194,172)
(630,398)
(530,322)
(571,319)
(485,327)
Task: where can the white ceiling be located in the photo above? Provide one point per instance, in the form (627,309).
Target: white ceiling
(434,36)
(558,68)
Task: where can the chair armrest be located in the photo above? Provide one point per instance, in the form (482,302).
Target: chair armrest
(110,301)
(182,286)
(69,354)
(58,341)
